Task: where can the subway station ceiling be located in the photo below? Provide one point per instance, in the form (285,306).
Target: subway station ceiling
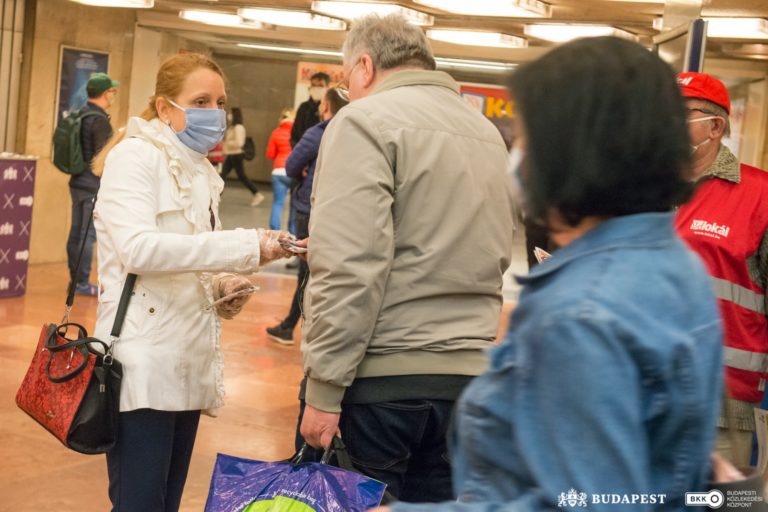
(635,19)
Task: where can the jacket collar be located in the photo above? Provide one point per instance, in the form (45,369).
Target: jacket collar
(725,166)
(417,77)
(92,106)
(638,230)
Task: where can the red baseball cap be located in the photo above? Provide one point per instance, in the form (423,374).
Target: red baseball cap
(704,87)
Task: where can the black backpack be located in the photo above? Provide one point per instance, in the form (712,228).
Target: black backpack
(67,146)
(249,149)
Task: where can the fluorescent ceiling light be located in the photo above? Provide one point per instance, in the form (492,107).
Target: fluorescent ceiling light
(290,18)
(352,10)
(506,8)
(441,61)
(562,32)
(474,64)
(216,18)
(737,28)
(474,38)
(285,49)
(748,51)
(131,4)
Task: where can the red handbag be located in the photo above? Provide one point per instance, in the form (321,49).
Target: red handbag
(72,386)
(73,390)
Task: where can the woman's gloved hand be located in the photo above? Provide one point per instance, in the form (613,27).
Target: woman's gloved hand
(269,244)
(228,284)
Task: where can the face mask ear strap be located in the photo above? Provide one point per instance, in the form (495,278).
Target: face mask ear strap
(176,104)
(707,118)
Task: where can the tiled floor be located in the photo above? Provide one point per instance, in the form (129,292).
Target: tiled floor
(38,474)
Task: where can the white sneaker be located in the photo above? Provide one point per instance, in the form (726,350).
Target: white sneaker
(258,197)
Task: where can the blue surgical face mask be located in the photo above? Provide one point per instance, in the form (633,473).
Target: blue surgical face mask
(204,129)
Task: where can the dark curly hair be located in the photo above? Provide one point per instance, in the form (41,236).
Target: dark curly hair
(606,131)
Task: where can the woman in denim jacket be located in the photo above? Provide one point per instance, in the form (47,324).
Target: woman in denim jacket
(605,391)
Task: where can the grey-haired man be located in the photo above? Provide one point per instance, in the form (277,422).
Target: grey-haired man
(410,234)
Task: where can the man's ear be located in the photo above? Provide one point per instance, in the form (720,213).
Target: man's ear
(369,70)
(717,129)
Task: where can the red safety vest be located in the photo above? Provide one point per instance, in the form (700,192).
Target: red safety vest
(725,223)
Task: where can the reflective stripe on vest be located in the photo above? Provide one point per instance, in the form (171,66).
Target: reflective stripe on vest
(745,360)
(739,295)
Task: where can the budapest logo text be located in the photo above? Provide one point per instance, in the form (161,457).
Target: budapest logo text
(573,498)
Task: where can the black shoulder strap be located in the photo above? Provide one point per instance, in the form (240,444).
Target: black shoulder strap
(73,280)
(89,113)
(125,297)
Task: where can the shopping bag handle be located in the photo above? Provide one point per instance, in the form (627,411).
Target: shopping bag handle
(344,461)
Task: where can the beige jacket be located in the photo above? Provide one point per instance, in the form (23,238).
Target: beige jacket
(234,139)
(410,233)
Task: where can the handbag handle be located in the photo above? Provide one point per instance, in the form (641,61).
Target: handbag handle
(50,344)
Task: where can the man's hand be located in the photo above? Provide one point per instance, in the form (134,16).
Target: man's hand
(303,243)
(319,427)
(724,471)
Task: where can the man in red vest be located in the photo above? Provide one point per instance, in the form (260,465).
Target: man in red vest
(726,223)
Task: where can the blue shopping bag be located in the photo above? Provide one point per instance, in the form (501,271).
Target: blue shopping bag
(244,485)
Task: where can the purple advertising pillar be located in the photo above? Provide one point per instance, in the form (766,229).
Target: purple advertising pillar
(17,188)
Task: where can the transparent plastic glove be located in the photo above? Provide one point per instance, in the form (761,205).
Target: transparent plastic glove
(269,243)
(226,285)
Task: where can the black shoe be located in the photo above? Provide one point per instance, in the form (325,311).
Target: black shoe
(293,263)
(282,335)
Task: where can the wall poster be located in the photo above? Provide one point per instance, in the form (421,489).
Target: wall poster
(76,65)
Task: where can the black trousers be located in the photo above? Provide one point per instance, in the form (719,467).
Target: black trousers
(236,162)
(148,465)
(401,443)
(294,315)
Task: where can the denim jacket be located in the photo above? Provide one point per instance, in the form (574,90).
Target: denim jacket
(608,381)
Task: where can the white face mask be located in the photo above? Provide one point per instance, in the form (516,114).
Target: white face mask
(695,147)
(317,93)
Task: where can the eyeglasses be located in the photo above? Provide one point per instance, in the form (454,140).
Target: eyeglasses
(345,83)
(703,111)
(342,92)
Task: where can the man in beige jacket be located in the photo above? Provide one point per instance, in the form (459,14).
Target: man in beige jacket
(411,231)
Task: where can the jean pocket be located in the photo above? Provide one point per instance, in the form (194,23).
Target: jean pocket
(379,436)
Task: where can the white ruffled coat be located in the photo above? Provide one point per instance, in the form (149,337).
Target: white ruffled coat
(153,218)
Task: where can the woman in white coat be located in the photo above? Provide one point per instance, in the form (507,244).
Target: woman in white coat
(157,216)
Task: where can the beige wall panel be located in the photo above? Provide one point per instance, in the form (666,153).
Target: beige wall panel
(261,88)
(60,22)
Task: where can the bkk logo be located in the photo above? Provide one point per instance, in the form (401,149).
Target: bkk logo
(711,227)
(573,498)
(711,499)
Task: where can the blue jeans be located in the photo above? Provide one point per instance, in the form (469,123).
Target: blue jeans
(400,443)
(280,187)
(148,466)
(82,206)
